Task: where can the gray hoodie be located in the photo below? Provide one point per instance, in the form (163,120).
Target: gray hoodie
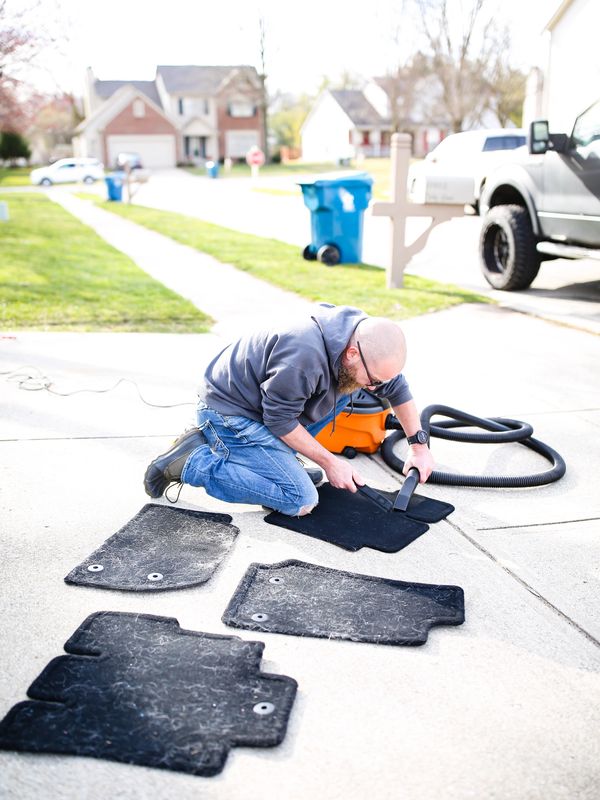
(286,377)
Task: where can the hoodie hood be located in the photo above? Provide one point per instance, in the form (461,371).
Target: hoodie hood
(337,324)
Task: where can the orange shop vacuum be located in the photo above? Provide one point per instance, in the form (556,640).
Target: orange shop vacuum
(361,431)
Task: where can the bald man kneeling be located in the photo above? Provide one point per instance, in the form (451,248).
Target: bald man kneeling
(264,398)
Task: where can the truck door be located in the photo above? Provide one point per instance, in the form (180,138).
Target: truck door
(570,208)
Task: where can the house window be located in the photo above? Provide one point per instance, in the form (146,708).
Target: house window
(180,106)
(205,106)
(366,137)
(241,108)
(139,108)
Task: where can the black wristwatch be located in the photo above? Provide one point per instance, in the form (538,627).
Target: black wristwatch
(420,437)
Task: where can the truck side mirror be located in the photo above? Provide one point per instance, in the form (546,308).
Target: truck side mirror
(539,137)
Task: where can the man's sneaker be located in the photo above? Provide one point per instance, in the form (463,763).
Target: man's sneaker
(315,474)
(167,468)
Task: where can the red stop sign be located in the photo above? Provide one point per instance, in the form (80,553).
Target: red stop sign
(255,157)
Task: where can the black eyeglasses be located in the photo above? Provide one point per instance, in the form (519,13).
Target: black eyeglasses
(372,381)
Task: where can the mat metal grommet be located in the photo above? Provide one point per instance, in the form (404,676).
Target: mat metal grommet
(263,709)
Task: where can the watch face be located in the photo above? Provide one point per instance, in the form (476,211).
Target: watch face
(422,437)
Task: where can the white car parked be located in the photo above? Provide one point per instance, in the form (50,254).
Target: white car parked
(470,155)
(68,170)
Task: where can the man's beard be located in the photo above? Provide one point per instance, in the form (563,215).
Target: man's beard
(347,381)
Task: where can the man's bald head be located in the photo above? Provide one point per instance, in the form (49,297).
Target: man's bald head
(382,343)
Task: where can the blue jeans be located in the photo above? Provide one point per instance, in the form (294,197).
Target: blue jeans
(243,462)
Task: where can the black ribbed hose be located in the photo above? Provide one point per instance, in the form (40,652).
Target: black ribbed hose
(501,430)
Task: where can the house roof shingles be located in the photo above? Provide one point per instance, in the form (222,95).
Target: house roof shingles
(106,89)
(198,80)
(357,107)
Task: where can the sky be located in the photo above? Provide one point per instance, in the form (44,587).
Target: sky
(126,39)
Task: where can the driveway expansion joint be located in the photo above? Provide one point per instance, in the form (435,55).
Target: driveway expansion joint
(525,585)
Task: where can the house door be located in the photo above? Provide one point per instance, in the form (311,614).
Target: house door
(195,147)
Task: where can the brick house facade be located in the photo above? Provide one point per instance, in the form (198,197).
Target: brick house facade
(187,114)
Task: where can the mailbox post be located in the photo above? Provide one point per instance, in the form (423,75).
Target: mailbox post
(400,208)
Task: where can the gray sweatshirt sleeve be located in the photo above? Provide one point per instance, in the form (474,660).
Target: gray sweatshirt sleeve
(284,395)
(396,391)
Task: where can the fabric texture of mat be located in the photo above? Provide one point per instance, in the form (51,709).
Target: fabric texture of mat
(160,548)
(350,520)
(303,599)
(141,690)
(423,509)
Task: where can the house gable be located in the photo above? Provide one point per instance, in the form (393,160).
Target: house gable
(139,116)
(327,130)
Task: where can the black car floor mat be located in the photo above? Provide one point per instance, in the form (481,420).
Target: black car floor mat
(160,548)
(308,600)
(350,520)
(424,509)
(141,690)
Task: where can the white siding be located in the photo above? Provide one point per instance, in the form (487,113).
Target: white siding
(326,132)
(573,74)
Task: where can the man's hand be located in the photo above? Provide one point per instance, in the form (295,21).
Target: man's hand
(342,475)
(419,456)
(339,473)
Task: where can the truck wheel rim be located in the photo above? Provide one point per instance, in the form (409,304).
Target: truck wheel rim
(500,250)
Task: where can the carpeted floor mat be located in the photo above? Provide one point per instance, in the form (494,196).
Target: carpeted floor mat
(423,509)
(160,548)
(303,599)
(350,520)
(141,690)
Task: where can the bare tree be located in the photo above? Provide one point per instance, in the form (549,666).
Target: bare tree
(462,48)
(403,88)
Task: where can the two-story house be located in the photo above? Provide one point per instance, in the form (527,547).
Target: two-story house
(186,114)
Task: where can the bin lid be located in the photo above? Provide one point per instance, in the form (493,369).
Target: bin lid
(338,179)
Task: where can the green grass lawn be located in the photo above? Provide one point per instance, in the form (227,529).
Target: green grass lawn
(282,264)
(378,168)
(57,274)
(15,176)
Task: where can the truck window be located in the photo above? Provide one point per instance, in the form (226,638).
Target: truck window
(587,127)
(503,143)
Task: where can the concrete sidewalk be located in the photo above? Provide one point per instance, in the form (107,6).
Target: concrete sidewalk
(505,706)
(232,297)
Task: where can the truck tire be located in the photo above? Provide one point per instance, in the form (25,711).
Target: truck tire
(509,259)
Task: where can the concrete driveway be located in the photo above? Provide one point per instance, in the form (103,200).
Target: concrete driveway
(564,291)
(505,706)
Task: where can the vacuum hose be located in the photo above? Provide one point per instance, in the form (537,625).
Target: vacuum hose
(501,430)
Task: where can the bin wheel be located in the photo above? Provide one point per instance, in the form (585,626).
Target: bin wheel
(308,253)
(349,452)
(329,255)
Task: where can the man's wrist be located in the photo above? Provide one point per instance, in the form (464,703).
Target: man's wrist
(419,437)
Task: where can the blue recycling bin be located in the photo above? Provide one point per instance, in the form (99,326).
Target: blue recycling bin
(114,185)
(212,169)
(336,202)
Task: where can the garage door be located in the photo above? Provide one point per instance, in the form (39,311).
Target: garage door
(155,151)
(237,143)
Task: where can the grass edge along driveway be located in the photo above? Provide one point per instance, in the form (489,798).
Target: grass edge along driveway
(282,265)
(57,274)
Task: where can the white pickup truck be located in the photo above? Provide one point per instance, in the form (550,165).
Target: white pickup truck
(544,206)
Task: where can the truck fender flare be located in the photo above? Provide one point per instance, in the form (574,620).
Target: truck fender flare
(513,180)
